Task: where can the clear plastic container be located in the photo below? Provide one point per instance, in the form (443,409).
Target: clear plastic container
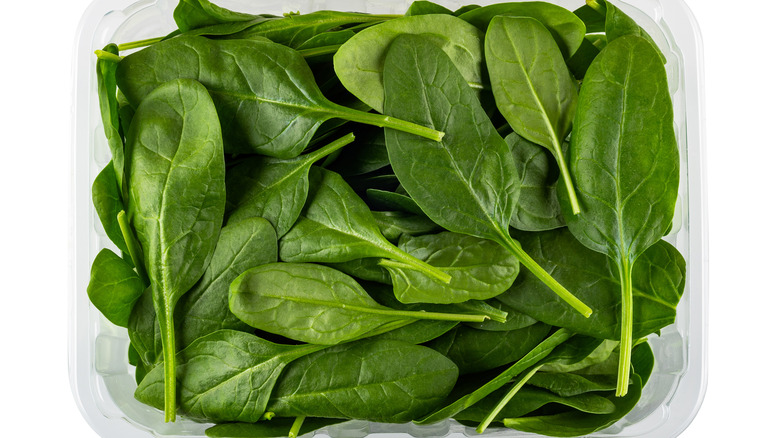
(102,381)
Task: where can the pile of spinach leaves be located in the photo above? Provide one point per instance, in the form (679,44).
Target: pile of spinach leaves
(342,216)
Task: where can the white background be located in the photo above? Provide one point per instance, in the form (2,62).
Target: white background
(742,84)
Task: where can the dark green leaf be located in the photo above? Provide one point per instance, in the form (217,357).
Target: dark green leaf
(114,287)
(191,14)
(109,113)
(423,7)
(392,201)
(224,376)
(354,381)
(359,62)
(394,224)
(108,203)
(570,384)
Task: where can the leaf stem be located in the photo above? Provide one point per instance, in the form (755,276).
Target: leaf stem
(296,427)
(596,6)
(331,147)
(169,359)
(566,176)
(626,328)
(107,56)
(133,247)
(507,398)
(436,316)
(404,260)
(140,43)
(482,307)
(514,246)
(383,121)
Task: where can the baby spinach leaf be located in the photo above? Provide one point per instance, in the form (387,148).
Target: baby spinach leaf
(360,384)
(295,29)
(385,200)
(588,51)
(367,154)
(272,188)
(532,86)
(617,24)
(224,376)
(570,384)
(367,269)
(468,182)
(566,28)
(177,199)
(204,309)
(336,226)
(326,39)
(576,423)
(114,287)
(463,9)
(274,428)
(272,111)
(419,332)
(109,113)
(530,399)
(458,401)
(627,185)
(191,14)
(144,330)
(423,7)
(480,269)
(658,283)
(394,224)
(108,203)
(593,19)
(514,320)
(537,202)
(316,304)
(359,63)
(475,350)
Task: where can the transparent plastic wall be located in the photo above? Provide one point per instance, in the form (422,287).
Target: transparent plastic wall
(102,381)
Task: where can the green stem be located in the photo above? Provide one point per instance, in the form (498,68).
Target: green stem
(107,56)
(332,147)
(596,6)
(626,328)
(317,51)
(405,261)
(141,43)
(133,247)
(383,121)
(564,168)
(482,307)
(509,395)
(513,246)
(296,427)
(169,360)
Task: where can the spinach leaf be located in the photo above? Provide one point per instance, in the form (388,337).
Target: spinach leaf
(204,309)
(514,320)
(273,188)
(593,19)
(114,287)
(480,269)
(316,304)
(367,269)
(273,111)
(109,113)
(336,226)
(144,330)
(467,183)
(423,7)
(571,384)
(626,174)
(617,24)
(588,51)
(394,224)
(295,29)
(475,350)
(658,283)
(359,63)
(224,376)
(533,88)
(394,201)
(463,9)
(575,423)
(367,154)
(537,202)
(177,199)
(458,401)
(326,39)
(419,332)
(530,399)
(275,428)
(108,203)
(567,29)
(360,384)
(191,14)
